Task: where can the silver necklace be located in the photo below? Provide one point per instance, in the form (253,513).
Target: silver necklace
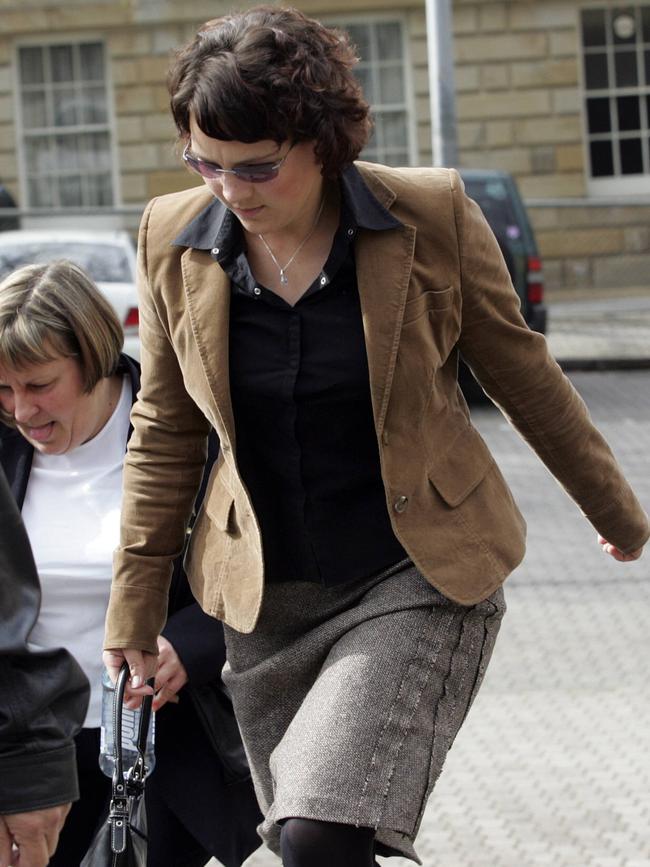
(282,268)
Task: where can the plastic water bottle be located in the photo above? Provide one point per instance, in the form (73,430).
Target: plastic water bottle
(130,727)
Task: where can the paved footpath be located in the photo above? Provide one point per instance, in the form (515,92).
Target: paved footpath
(600,333)
(552,768)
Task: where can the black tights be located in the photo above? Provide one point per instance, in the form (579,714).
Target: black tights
(309,843)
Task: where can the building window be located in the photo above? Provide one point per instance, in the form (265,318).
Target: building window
(64,126)
(616,74)
(383,73)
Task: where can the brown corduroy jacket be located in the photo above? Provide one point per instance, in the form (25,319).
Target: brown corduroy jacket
(429,289)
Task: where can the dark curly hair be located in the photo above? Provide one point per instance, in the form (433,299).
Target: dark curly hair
(272,73)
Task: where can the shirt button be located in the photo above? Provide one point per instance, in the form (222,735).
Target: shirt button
(400,504)
(323,281)
(215,251)
(384,437)
(257,291)
(350,233)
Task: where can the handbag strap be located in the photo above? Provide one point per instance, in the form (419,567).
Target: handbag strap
(133,785)
(136,773)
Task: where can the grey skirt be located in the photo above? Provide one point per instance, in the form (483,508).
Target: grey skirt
(349,697)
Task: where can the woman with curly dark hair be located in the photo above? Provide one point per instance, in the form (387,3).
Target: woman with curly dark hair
(355,531)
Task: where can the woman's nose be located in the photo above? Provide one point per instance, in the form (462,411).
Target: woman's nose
(231,189)
(22,407)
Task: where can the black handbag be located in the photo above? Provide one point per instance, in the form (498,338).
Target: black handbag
(122,839)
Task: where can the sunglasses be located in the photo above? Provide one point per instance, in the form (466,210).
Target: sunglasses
(252,174)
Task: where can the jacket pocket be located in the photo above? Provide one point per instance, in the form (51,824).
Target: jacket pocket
(220,510)
(432,299)
(457,472)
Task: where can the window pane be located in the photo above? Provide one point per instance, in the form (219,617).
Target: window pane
(62,63)
(364,77)
(645,21)
(598,115)
(99,191)
(602,159)
(646,63)
(593,27)
(391,84)
(631,156)
(93,105)
(94,151)
(626,69)
(389,40)
(34,109)
(596,76)
(91,57)
(31,66)
(396,158)
(39,155)
(629,113)
(360,37)
(67,149)
(624,26)
(394,129)
(41,193)
(70,191)
(66,107)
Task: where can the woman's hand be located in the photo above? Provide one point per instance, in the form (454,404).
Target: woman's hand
(29,839)
(142,666)
(170,674)
(616,553)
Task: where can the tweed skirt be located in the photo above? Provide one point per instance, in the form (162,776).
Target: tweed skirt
(349,697)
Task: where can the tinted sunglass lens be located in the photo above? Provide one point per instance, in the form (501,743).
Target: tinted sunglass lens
(250,174)
(257,176)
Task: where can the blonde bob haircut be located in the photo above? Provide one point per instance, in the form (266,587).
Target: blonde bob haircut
(53,310)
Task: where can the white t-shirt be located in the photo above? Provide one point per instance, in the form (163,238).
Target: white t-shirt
(72,514)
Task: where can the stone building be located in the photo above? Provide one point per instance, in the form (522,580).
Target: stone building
(555,91)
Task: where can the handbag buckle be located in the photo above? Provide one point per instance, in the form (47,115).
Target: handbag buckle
(118,816)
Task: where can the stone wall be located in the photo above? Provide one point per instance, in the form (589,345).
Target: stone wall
(602,247)
(519,109)
(518,101)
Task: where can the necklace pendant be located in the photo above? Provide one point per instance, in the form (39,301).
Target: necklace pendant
(283,278)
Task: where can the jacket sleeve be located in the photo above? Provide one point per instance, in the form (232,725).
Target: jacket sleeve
(162,474)
(43,695)
(514,366)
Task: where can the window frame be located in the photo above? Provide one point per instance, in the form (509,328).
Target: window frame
(109,126)
(408,105)
(618,184)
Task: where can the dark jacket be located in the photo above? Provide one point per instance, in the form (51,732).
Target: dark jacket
(43,695)
(201,768)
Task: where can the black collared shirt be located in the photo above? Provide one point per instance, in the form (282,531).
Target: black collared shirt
(305,437)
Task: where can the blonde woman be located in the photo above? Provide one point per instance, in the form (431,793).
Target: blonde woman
(65,396)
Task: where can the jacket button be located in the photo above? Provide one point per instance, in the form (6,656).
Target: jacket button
(400,504)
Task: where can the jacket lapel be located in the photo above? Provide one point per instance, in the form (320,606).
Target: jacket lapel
(207,289)
(384,261)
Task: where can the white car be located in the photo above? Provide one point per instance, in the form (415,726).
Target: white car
(108,257)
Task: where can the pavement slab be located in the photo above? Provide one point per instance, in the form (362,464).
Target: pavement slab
(600,333)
